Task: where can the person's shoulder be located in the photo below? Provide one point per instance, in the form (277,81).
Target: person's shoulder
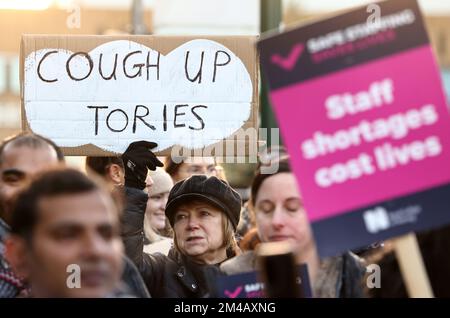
(134,193)
(354,262)
(245,262)
(158,264)
(162,246)
(159,257)
(348,262)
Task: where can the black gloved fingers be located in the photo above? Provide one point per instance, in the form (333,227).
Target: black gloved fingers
(141,144)
(145,157)
(138,159)
(154,162)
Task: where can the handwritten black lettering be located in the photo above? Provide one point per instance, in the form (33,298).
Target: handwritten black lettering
(88,58)
(140,117)
(96,115)
(165,117)
(178,114)
(220,64)
(140,66)
(199,73)
(39,68)
(152,65)
(113,74)
(202,123)
(109,126)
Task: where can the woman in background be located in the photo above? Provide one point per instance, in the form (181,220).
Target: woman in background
(280,216)
(158,233)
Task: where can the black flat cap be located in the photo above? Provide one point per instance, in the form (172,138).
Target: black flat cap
(208,189)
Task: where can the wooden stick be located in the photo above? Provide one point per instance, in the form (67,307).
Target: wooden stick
(412,267)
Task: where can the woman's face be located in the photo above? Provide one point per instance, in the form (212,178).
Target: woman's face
(155,210)
(199,232)
(280,215)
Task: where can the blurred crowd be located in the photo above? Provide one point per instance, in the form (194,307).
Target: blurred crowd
(135,226)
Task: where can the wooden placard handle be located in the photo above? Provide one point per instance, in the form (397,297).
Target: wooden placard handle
(412,266)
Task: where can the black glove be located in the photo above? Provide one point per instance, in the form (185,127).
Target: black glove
(137,159)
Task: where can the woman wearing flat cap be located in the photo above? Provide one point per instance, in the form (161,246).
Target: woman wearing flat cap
(204,213)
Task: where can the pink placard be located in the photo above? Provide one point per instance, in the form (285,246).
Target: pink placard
(401,90)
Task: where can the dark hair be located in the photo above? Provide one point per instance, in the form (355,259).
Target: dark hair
(283,166)
(171,166)
(50,183)
(27,139)
(100,165)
